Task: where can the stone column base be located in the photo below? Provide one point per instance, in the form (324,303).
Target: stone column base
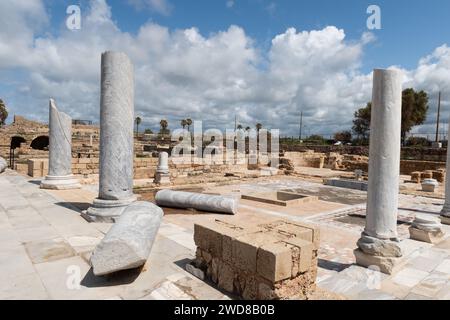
(387,265)
(162,178)
(426,236)
(445,220)
(60,183)
(107,210)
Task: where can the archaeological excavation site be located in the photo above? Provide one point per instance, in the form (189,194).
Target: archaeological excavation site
(136,190)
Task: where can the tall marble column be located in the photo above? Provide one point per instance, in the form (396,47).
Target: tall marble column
(60,152)
(116,137)
(379,244)
(445,213)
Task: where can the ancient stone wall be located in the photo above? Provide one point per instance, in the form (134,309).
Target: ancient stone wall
(272,260)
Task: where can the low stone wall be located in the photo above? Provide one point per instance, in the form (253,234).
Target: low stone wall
(144,168)
(409,166)
(274,260)
(407,153)
(306,159)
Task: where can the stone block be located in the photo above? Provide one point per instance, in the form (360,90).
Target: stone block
(245,250)
(208,237)
(271,260)
(302,255)
(275,261)
(426,236)
(388,265)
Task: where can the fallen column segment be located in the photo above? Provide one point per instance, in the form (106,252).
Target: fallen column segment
(198,201)
(128,243)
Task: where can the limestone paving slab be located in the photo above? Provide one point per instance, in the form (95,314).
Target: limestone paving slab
(48,250)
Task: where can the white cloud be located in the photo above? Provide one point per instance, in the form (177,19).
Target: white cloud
(183,73)
(160,6)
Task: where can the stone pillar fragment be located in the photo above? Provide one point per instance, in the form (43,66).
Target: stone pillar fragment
(162,175)
(60,152)
(128,243)
(3,165)
(426,228)
(445,213)
(198,201)
(379,244)
(116,138)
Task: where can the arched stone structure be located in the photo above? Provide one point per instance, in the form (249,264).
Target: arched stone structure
(40,143)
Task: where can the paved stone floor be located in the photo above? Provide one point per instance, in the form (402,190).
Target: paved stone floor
(45,246)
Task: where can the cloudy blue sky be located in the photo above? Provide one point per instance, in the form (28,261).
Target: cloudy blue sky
(261,60)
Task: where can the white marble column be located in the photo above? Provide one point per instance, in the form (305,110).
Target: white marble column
(116,137)
(60,152)
(445,213)
(162,175)
(379,244)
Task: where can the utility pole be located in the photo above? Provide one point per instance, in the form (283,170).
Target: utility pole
(301,125)
(438,117)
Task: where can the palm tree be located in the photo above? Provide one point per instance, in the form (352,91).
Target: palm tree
(163,124)
(248,129)
(183,123)
(240,127)
(258,126)
(189,123)
(138,121)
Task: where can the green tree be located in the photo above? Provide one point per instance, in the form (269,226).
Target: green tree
(247,128)
(414,110)
(138,121)
(258,126)
(3,113)
(240,127)
(361,123)
(414,113)
(148,131)
(184,123)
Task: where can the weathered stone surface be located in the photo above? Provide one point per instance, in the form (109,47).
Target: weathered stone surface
(426,236)
(116,136)
(427,222)
(377,247)
(429,185)
(426,228)
(128,243)
(60,152)
(3,165)
(388,265)
(274,260)
(198,201)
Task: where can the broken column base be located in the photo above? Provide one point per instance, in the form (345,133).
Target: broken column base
(107,210)
(60,183)
(162,178)
(387,265)
(445,220)
(426,236)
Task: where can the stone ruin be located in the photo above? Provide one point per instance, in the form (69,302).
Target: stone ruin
(272,260)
